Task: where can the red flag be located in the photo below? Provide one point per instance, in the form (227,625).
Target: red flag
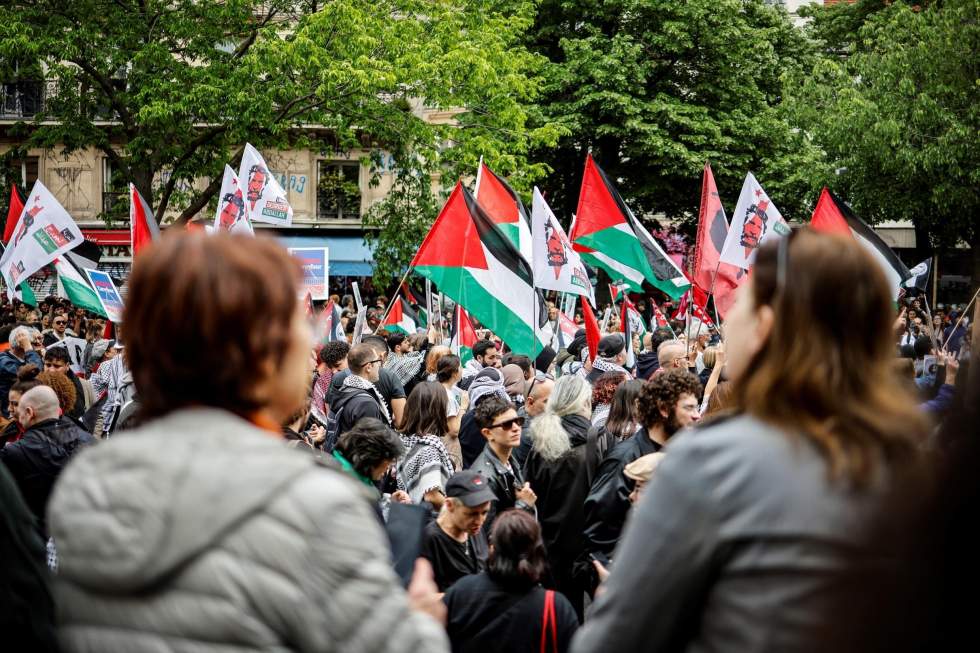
(720,280)
(591,330)
(109,332)
(143,226)
(13,214)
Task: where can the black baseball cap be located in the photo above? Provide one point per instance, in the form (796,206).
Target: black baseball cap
(470,488)
(611,345)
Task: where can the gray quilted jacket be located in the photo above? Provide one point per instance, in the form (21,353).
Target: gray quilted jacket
(200,532)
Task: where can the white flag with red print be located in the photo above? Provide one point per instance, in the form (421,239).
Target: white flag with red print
(556,265)
(265,199)
(756,220)
(232,215)
(44,231)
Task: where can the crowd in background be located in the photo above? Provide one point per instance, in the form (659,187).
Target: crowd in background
(214,479)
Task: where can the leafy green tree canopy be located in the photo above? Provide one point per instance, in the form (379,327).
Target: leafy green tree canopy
(179,86)
(657,87)
(895,103)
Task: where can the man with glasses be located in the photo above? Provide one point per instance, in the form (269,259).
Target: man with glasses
(673,354)
(358,397)
(501,426)
(58,331)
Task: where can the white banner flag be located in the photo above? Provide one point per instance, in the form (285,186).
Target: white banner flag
(264,197)
(44,232)
(556,266)
(231,215)
(755,220)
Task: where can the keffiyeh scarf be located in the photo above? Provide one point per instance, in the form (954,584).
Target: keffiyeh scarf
(405,366)
(425,466)
(355,381)
(605,365)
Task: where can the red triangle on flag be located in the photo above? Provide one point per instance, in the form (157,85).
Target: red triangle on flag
(13,214)
(597,208)
(395,315)
(453,241)
(497,198)
(465,331)
(827,217)
(142,224)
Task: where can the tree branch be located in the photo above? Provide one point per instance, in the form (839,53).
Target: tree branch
(203,139)
(109,91)
(205,195)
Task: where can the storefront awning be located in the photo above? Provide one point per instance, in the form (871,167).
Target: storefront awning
(349,256)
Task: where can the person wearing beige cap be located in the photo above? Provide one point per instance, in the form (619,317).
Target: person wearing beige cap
(641,470)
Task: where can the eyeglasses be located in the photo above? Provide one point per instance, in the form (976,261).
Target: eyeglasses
(59,322)
(376,360)
(509,424)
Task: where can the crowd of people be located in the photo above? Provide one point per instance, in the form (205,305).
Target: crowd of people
(217,479)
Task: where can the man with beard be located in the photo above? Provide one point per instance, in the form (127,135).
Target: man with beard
(754,227)
(668,403)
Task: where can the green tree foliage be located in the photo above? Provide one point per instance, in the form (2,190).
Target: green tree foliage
(396,226)
(178,86)
(895,103)
(657,87)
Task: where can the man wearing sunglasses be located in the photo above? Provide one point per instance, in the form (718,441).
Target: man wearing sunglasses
(358,397)
(501,426)
(59,329)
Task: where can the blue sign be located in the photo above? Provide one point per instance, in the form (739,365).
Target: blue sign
(107,293)
(316,268)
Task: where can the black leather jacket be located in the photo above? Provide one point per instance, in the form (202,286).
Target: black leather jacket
(502,481)
(609,498)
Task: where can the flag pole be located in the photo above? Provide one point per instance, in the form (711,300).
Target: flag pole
(398,290)
(962,315)
(932,329)
(479,177)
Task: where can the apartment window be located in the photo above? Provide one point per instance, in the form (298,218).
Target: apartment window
(114,191)
(338,190)
(22,94)
(22,172)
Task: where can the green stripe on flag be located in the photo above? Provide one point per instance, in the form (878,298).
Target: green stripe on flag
(491,311)
(80,294)
(27,294)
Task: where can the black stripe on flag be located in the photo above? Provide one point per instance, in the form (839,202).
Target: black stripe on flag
(661,267)
(862,229)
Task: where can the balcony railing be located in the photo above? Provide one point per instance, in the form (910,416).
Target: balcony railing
(21,99)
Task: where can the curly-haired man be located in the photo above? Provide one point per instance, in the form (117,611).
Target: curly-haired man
(668,403)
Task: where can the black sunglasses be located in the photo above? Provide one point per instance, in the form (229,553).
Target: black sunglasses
(506,425)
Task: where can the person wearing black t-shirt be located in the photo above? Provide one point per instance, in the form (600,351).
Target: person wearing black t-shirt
(455,543)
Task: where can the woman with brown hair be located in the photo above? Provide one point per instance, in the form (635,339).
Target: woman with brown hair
(757,529)
(201,528)
(504,609)
(426,465)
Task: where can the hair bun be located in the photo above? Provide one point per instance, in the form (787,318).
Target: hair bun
(28,372)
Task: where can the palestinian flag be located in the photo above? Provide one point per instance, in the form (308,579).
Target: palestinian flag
(629,314)
(474,264)
(412,296)
(329,326)
(26,294)
(74,286)
(832,215)
(607,234)
(463,336)
(617,291)
(505,208)
(143,226)
(401,317)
